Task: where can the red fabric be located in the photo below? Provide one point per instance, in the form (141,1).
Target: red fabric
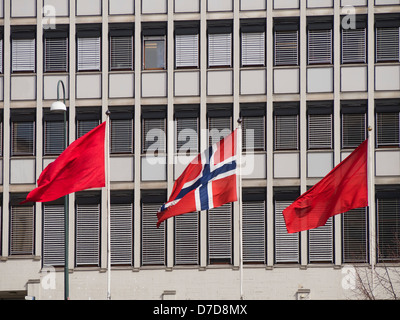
(81,166)
(342,189)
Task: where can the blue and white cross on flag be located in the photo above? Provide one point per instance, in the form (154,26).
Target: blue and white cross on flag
(209,181)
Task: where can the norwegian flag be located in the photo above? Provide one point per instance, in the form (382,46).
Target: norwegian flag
(209,181)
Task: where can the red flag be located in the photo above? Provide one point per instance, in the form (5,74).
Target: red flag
(342,189)
(81,166)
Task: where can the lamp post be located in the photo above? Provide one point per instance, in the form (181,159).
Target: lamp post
(59,106)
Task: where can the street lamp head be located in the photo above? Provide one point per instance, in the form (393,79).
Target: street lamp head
(58,106)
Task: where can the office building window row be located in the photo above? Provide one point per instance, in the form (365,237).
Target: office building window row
(353,118)
(355,240)
(187,44)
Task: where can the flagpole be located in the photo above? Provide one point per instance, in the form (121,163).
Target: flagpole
(239,153)
(370,197)
(107,163)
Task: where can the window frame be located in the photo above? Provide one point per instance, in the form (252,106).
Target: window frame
(161,39)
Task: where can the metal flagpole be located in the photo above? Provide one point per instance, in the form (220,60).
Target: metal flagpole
(370,196)
(239,161)
(107,162)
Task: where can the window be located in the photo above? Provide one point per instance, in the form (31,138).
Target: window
(186,45)
(252,43)
(286,44)
(387,123)
(354,48)
(320,243)
(388,223)
(253,127)
(121,130)
(53,233)
(320,124)
(254,226)
(354,124)
(154,129)
(1,49)
(87,226)
(286,127)
(86,119)
(219,45)
(88,47)
(56,50)
(154,53)
(23,132)
(1,133)
(355,236)
(319,42)
(121,224)
(220,235)
(153,238)
(286,244)
(186,130)
(121,47)
(387,44)
(387,37)
(22,226)
(187,232)
(219,120)
(23,49)
(54,133)
(154,46)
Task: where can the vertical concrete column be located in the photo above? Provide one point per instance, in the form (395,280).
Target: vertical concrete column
(270,136)
(137,135)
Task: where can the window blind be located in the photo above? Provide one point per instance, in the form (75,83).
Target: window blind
(254,231)
(286,48)
(53,235)
(286,132)
(187,239)
(87,234)
(320,243)
(220,234)
(320,131)
(253,131)
(1,55)
(218,128)
(353,129)
(354,236)
(153,135)
(121,131)
(22,138)
(187,135)
(55,54)
(84,126)
(286,244)
(253,49)
(121,53)
(354,46)
(23,55)
(319,46)
(219,50)
(153,238)
(187,50)
(387,129)
(88,56)
(121,225)
(388,220)
(54,141)
(388,44)
(22,230)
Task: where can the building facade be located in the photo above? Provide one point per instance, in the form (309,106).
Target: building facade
(307,77)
